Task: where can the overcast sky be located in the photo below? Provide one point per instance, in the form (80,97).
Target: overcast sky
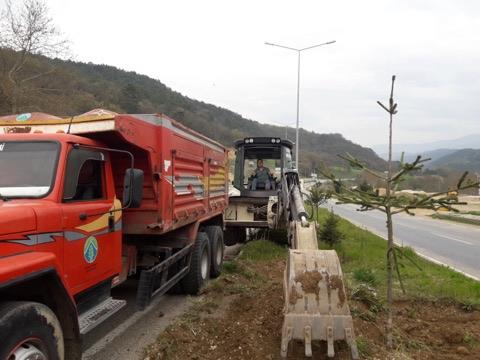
(214,51)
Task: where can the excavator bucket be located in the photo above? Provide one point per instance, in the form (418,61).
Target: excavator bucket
(316,306)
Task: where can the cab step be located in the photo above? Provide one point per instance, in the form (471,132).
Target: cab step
(98,314)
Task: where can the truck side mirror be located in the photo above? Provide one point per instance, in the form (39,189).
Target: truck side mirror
(133,188)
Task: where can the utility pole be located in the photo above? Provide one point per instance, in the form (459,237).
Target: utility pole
(297,157)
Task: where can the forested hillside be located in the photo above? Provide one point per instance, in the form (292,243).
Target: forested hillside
(462,160)
(67,88)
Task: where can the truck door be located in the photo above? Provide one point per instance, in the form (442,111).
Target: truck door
(92,246)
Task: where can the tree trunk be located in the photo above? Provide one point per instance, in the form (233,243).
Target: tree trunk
(390,249)
(390,263)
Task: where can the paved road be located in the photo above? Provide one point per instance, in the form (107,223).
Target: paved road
(127,333)
(455,245)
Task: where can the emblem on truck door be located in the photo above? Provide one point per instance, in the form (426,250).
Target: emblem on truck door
(90,249)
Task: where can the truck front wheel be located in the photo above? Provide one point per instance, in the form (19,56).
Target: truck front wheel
(199,265)
(29,330)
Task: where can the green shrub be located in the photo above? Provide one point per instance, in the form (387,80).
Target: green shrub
(364,275)
(330,232)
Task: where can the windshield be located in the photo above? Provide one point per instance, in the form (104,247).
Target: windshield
(27,169)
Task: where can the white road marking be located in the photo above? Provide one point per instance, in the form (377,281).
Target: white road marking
(453,239)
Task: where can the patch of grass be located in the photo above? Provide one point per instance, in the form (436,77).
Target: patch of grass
(416,345)
(263,250)
(422,279)
(474,212)
(470,340)
(202,305)
(368,296)
(412,313)
(230,267)
(364,347)
(363,275)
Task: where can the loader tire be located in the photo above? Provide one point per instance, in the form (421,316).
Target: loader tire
(30,330)
(199,265)
(215,236)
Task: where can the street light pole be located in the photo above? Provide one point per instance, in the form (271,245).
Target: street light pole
(297,142)
(297,154)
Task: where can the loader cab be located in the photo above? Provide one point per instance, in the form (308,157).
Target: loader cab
(259,165)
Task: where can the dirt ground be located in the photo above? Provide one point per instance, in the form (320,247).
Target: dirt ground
(239,317)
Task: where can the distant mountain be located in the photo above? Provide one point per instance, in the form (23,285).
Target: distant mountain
(433,154)
(411,150)
(462,160)
(75,87)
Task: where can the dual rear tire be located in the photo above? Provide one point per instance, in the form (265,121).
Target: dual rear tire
(206,259)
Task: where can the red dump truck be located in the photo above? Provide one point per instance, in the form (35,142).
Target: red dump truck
(89,201)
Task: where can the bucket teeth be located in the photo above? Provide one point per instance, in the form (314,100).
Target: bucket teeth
(286,337)
(330,349)
(350,339)
(308,341)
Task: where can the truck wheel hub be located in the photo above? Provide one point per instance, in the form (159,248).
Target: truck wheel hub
(27,351)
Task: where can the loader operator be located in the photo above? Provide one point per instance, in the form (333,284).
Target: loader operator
(262,177)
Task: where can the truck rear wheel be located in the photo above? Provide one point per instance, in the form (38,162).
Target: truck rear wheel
(29,330)
(199,265)
(215,236)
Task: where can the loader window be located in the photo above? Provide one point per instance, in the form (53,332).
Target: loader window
(288,158)
(271,159)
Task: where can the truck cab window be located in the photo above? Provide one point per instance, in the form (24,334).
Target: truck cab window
(84,178)
(89,186)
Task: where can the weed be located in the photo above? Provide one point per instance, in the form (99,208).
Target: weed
(367,296)
(470,340)
(412,313)
(363,347)
(364,315)
(364,275)
(230,267)
(467,306)
(262,250)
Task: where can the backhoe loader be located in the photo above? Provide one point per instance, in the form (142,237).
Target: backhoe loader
(270,197)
